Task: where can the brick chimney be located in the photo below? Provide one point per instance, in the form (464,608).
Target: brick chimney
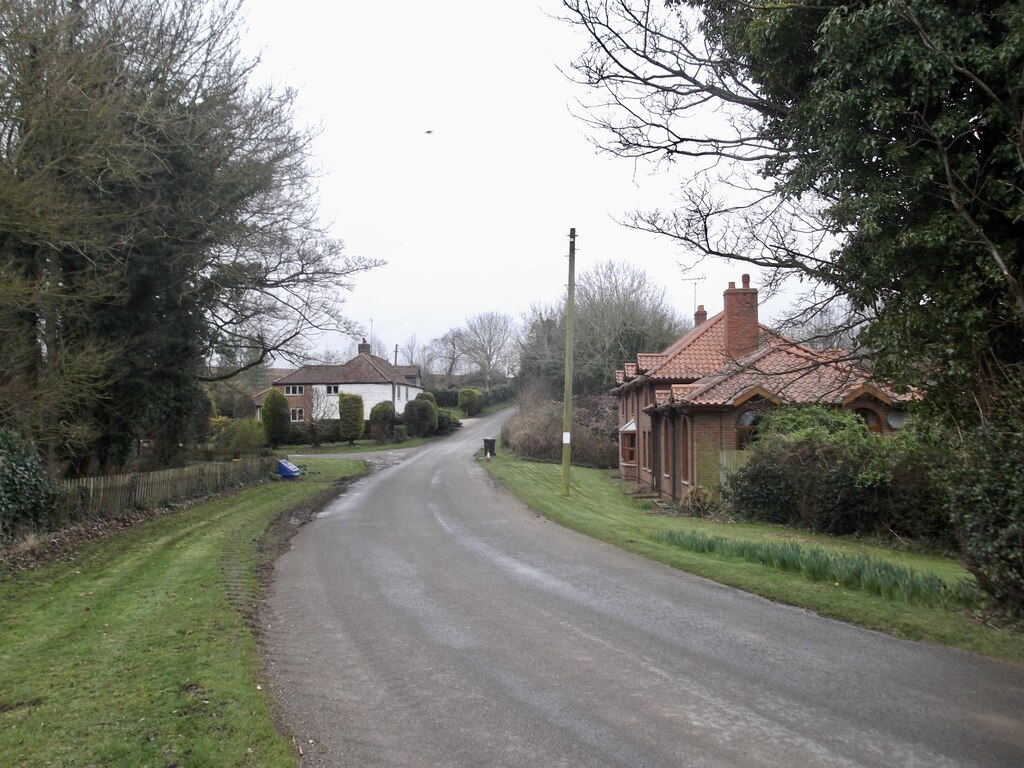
(741,328)
(700,315)
(364,348)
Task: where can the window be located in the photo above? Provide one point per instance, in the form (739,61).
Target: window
(746,428)
(628,445)
(666,449)
(870,418)
(294,389)
(684,442)
(297,414)
(332,389)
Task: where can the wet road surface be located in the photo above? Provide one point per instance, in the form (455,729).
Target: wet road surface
(427,619)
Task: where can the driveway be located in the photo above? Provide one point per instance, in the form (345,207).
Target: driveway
(428,619)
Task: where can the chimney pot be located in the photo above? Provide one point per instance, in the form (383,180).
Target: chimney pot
(741,326)
(700,315)
(732,285)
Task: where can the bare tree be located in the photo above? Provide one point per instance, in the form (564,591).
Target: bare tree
(447,353)
(489,343)
(322,408)
(411,351)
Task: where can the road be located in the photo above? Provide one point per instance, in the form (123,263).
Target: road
(427,619)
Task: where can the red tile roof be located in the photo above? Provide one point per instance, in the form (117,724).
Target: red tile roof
(790,372)
(361,369)
(699,372)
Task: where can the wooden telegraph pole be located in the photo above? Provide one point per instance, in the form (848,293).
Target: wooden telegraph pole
(567,392)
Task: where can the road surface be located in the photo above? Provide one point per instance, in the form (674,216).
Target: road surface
(427,619)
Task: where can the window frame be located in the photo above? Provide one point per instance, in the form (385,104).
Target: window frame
(300,412)
(296,389)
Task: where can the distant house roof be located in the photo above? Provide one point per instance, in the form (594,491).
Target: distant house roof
(364,368)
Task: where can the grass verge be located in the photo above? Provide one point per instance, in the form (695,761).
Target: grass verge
(137,651)
(597,507)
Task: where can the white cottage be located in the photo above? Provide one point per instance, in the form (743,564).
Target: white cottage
(313,390)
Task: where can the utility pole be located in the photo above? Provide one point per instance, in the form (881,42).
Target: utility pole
(567,392)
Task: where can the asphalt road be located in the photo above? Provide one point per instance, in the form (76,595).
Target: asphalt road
(427,619)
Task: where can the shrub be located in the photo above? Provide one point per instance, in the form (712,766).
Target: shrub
(27,496)
(241,437)
(401,434)
(535,431)
(985,487)
(382,421)
(471,401)
(447,423)
(427,396)
(276,418)
(350,417)
(420,417)
(760,490)
(820,468)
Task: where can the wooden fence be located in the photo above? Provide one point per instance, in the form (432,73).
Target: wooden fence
(729,462)
(98,497)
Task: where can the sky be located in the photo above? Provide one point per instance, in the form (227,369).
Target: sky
(448,147)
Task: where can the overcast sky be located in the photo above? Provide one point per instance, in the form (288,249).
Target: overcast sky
(473,216)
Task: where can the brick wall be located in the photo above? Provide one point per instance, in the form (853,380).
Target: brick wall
(741,328)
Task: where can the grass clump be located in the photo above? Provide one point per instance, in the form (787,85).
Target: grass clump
(861,572)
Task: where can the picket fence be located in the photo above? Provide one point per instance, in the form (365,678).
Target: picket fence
(99,497)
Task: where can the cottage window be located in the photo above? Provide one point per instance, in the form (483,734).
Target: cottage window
(871,419)
(685,443)
(666,450)
(332,389)
(746,428)
(297,414)
(294,389)
(628,445)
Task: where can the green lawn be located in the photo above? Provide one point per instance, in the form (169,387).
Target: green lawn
(598,508)
(138,653)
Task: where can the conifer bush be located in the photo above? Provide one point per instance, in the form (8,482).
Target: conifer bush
(420,417)
(350,417)
(382,421)
(276,418)
(471,401)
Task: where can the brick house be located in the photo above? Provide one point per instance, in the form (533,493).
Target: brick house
(313,389)
(687,413)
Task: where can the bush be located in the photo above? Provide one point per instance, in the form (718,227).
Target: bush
(471,401)
(447,423)
(420,417)
(382,421)
(427,396)
(535,431)
(276,418)
(350,417)
(985,487)
(27,496)
(401,434)
(445,398)
(241,437)
(820,468)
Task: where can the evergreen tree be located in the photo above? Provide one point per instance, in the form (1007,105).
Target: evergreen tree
(350,415)
(276,417)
